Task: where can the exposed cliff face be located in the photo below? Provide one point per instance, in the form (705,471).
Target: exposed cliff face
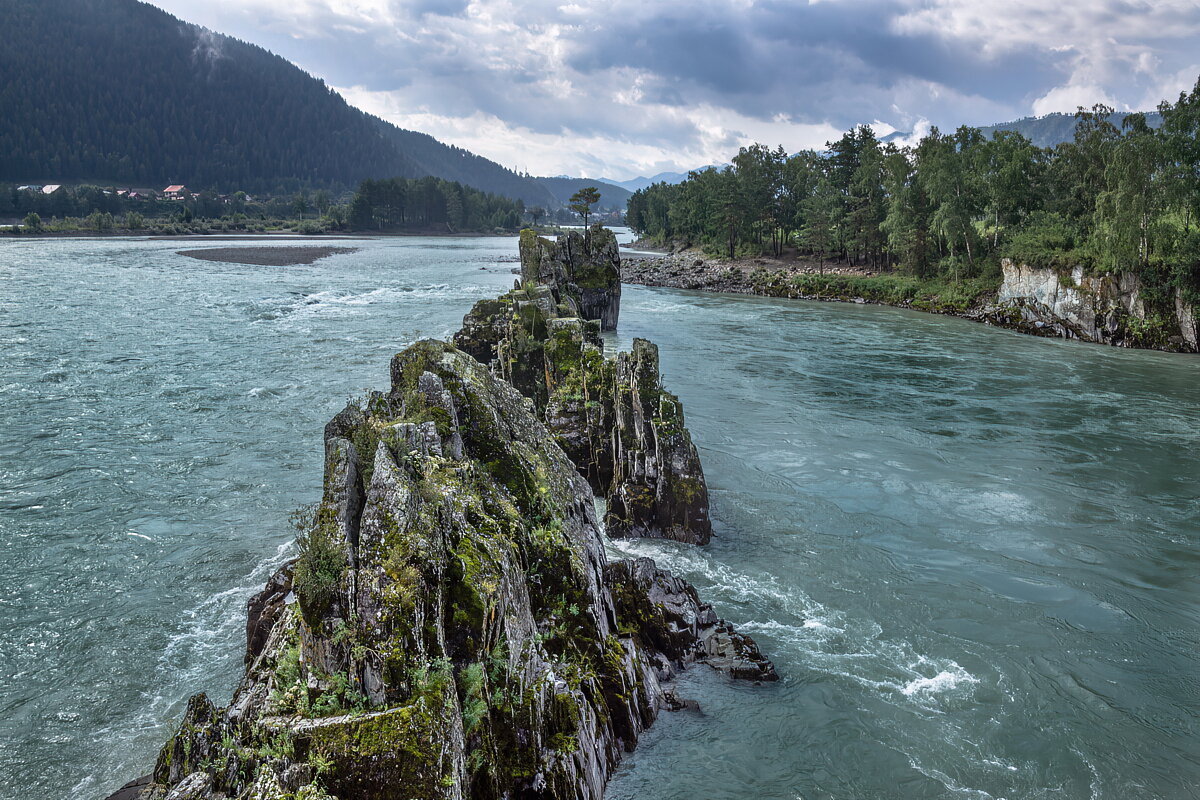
(1106,309)
(613,417)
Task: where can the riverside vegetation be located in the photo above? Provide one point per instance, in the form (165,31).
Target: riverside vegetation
(452,627)
(935,221)
(394,205)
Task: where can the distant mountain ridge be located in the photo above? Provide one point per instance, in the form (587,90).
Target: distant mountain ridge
(119,91)
(563,186)
(634,184)
(1045,131)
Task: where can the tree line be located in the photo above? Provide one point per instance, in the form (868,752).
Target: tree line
(393,204)
(952,205)
(431,204)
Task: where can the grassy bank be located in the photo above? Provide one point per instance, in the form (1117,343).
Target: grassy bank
(938,295)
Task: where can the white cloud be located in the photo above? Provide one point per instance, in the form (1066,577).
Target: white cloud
(719,133)
(634,86)
(1069,98)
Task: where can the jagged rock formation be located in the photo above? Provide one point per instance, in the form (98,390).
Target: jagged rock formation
(613,417)
(452,628)
(1106,309)
(583,271)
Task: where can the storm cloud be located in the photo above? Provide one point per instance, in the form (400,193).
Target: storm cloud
(633,87)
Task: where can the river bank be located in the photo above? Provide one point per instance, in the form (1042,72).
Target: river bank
(1040,302)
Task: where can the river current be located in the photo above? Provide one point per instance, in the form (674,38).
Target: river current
(973,555)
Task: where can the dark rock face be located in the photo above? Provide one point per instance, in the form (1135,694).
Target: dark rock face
(671,620)
(582,270)
(451,628)
(658,487)
(620,427)
(265,608)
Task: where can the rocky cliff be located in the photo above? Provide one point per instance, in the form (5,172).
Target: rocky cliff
(1107,309)
(452,627)
(582,269)
(612,416)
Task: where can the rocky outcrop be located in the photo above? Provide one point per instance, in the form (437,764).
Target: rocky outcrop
(670,620)
(1049,303)
(1106,309)
(612,416)
(451,628)
(583,270)
(657,487)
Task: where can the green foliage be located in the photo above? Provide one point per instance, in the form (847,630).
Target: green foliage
(582,202)
(474,697)
(430,680)
(1048,240)
(322,560)
(429,203)
(81,101)
(951,206)
(340,696)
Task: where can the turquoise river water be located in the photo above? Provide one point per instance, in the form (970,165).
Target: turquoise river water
(973,555)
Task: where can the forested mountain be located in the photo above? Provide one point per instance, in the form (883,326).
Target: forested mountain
(118,91)
(1055,129)
(611,197)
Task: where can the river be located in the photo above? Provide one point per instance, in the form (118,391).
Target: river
(973,555)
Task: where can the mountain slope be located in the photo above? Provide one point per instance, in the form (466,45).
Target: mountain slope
(634,184)
(1053,129)
(562,187)
(121,91)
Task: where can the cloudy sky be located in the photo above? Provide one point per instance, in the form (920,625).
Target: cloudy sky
(634,87)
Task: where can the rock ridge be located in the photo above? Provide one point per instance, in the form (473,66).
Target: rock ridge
(613,417)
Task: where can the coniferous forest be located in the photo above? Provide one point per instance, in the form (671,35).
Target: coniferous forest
(952,205)
(119,92)
(430,203)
